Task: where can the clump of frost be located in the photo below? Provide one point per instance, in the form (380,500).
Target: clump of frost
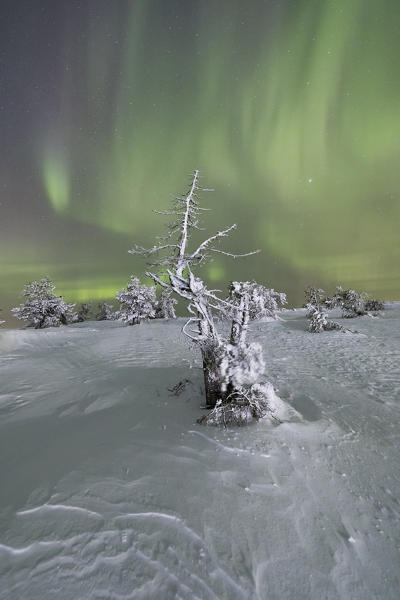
(238,364)
(105,312)
(165,307)
(42,308)
(316,311)
(137,302)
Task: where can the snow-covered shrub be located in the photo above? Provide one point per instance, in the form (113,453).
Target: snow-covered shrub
(316,303)
(83,313)
(137,302)
(374,305)
(351,302)
(42,308)
(319,320)
(165,306)
(315,297)
(354,304)
(105,312)
(1,322)
(262,302)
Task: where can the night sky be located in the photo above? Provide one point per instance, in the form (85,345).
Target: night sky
(289,108)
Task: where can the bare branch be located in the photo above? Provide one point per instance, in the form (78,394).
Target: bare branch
(205,244)
(177,277)
(233,255)
(158,280)
(210,295)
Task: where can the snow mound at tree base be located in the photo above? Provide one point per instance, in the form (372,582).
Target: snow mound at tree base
(250,404)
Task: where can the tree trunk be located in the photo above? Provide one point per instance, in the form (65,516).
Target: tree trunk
(240,322)
(211,384)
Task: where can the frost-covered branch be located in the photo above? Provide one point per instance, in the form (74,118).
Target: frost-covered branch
(234,255)
(207,242)
(186,222)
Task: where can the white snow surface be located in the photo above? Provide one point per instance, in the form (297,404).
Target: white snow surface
(110,490)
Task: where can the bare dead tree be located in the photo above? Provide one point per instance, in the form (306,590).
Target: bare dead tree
(178,261)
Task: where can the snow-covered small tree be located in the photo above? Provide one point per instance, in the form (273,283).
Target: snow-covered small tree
(263,302)
(105,312)
(351,302)
(316,311)
(319,320)
(42,308)
(354,304)
(165,306)
(83,313)
(137,302)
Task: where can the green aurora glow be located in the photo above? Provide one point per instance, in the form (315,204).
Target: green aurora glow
(290,110)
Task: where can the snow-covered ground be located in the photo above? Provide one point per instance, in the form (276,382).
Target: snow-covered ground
(110,490)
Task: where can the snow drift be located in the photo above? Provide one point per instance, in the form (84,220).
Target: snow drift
(110,490)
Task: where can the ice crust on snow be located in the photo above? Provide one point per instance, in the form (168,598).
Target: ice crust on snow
(110,490)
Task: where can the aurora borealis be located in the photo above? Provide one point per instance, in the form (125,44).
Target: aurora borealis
(290,109)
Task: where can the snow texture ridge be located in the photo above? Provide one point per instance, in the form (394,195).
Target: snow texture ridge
(110,490)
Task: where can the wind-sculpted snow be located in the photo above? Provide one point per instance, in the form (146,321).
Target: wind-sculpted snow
(110,490)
